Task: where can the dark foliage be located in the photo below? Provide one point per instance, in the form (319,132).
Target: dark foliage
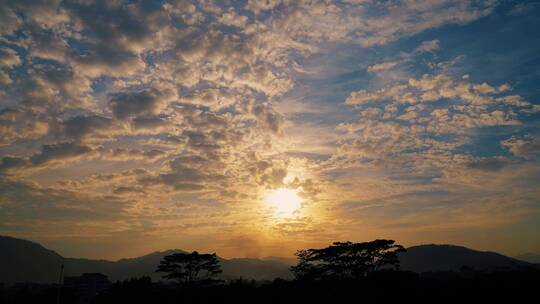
(136,290)
(384,286)
(190,268)
(346,260)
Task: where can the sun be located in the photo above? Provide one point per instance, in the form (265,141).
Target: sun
(284,201)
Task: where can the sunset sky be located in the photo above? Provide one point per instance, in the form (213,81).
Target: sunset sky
(256,128)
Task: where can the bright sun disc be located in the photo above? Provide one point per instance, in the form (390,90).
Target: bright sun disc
(284,201)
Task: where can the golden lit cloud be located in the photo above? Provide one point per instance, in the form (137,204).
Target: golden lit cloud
(264,125)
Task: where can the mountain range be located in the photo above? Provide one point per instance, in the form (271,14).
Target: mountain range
(529,257)
(26,261)
(430,258)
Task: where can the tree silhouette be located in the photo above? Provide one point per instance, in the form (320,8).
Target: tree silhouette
(347,260)
(188,268)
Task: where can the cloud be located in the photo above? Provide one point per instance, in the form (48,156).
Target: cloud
(489,163)
(418,126)
(49,156)
(382,69)
(58,152)
(384,66)
(232,19)
(363,96)
(187,173)
(213,98)
(90,128)
(150,124)
(16,124)
(468,105)
(527,147)
(267,117)
(154,116)
(116,32)
(145,102)
(260,6)
(428,46)
(9,58)
(396,22)
(50,87)
(61,154)
(9,163)
(268,173)
(9,20)
(522,8)
(46,13)
(119,154)
(32,210)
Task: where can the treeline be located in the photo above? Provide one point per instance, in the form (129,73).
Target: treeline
(341,260)
(343,272)
(383,286)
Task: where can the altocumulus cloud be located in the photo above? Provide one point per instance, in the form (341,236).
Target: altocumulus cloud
(156,116)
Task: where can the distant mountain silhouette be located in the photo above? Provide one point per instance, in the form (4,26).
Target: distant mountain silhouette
(529,257)
(255,269)
(25,261)
(425,258)
(22,261)
(284,260)
(121,269)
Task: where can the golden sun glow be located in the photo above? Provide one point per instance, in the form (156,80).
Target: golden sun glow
(284,201)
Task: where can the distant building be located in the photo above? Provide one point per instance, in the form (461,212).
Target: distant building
(88,284)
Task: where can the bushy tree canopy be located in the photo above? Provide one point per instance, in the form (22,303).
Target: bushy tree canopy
(190,267)
(347,260)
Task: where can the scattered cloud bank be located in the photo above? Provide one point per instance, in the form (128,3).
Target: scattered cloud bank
(158,116)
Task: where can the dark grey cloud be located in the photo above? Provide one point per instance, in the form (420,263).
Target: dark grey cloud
(8,163)
(24,203)
(146,102)
(268,173)
(49,155)
(57,152)
(60,153)
(46,43)
(489,163)
(150,123)
(117,25)
(267,117)
(89,127)
(51,87)
(188,172)
(14,13)
(182,179)
(115,33)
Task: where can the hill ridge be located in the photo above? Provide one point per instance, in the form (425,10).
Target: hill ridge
(24,260)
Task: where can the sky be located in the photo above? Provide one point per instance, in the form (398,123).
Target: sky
(257,128)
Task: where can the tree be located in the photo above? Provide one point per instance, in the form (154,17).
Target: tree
(187,268)
(347,260)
